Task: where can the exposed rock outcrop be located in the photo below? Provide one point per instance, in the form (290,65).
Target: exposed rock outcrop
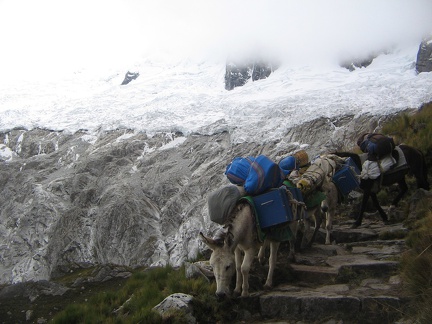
(129,76)
(357,63)
(237,75)
(424,56)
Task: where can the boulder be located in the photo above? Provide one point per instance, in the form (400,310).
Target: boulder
(177,302)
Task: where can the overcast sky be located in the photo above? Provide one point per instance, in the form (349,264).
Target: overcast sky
(56,36)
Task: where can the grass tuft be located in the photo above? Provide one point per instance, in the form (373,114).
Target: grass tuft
(414,130)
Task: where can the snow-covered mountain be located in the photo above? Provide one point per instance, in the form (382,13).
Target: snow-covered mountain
(63,63)
(188,97)
(92,171)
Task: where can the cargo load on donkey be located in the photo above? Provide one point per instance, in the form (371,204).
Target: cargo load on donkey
(376,145)
(379,149)
(261,179)
(279,206)
(295,164)
(238,170)
(256,175)
(347,178)
(222,201)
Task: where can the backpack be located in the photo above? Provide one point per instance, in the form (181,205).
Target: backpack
(264,174)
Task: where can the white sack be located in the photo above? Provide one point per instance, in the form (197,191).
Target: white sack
(370,170)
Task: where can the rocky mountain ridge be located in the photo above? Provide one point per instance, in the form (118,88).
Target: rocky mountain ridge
(126,198)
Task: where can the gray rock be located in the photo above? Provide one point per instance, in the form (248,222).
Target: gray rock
(129,76)
(424,56)
(195,271)
(178,301)
(29,315)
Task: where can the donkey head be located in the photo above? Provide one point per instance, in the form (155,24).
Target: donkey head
(222,261)
(305,185)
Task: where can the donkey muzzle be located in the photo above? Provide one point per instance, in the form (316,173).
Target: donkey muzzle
(304,185)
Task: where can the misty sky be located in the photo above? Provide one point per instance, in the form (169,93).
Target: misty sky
(56,36)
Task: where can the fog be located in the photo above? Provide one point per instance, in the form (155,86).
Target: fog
(52,37)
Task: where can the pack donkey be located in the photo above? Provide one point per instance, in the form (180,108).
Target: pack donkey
(234,250)
(415,165)
(319,177)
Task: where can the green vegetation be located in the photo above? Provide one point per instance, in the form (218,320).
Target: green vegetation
(416,265)
(414,130)
(417,268)
(133,302)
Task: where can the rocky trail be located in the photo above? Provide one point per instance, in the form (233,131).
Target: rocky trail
(354,280)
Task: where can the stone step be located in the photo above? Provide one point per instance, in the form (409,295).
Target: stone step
(314,274)
(373,302)
(353,267)
(341,269)
(352,280)
(369,231)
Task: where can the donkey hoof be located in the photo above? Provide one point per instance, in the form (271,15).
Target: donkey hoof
(291,258)
(355,225)
(267,287)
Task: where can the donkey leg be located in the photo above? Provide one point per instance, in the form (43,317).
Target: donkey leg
(379,208)
(245,268)
(274,246)
(403,188)
(358,221)
(328,227)
(262,251)
(294,227)
(318,215)
(239,277)
(328,220)
(307,236)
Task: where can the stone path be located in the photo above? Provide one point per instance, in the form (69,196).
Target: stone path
(354,280)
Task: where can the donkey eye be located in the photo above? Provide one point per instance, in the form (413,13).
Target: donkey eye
(227,267)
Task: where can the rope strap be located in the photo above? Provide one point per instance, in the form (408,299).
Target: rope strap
(295,204)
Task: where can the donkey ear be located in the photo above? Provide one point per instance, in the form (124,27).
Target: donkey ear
(229,242)
(211,243)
